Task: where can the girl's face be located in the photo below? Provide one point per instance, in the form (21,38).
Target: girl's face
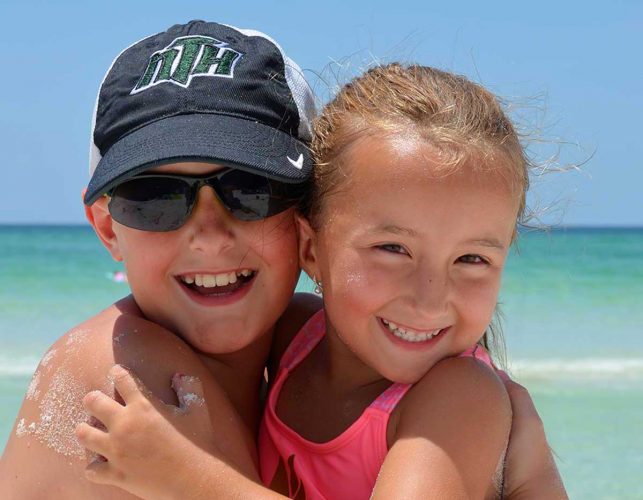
(253,264)
(410,259)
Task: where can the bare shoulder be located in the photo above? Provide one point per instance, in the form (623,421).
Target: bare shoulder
(42,458)
(461,396)
(457,383)
(302,306)
(456,418)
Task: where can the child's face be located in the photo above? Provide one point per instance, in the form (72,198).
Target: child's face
(212,242)
(402,246)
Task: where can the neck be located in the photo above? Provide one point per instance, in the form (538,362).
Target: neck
(240,374)
(342,367)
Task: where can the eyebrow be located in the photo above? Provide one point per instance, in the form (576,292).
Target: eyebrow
(395,229)
(487,242)
(392,228)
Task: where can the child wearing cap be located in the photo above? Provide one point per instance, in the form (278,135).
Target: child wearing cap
(198,158)
(212,270)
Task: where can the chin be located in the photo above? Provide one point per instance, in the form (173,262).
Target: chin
(222,340)
(405,376)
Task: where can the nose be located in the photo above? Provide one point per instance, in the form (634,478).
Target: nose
(431,292)
(210,226)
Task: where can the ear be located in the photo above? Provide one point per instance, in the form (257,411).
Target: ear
(100,219)
(308,250)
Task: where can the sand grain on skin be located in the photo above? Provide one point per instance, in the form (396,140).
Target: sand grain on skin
(75,338)
(61,410)
(193,399)
(117,338)
(33,392)
(44,362)
(21,429)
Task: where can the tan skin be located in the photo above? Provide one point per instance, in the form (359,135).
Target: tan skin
(418,427)
(151,352)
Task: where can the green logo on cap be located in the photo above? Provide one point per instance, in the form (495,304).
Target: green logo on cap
(187,57)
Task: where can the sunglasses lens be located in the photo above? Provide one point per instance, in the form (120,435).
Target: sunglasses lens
(151,204)
(251,197)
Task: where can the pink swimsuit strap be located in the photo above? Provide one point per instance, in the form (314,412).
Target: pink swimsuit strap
(305,341)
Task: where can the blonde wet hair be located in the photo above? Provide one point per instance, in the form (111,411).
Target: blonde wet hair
(460,119)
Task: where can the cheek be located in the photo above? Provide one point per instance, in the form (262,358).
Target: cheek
(355,284)
(275,240)
(278,243)
(478,299)
(276,231)
(147,264)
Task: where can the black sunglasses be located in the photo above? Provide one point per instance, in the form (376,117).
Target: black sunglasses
(163,202)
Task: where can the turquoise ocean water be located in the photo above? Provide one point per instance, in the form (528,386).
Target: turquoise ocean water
(572,302)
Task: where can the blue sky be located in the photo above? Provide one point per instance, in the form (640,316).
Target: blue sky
(571,71)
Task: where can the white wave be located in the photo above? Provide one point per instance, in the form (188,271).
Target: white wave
(583,367)
(542,368)
(18,367)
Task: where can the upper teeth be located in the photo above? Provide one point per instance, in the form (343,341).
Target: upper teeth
(212,280)
(410,335)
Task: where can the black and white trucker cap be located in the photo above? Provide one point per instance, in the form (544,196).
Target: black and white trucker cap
(201,91)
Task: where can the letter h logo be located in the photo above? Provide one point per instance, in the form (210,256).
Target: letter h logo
(188,57)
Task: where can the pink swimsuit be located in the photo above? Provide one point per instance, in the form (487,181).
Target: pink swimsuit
(345,467)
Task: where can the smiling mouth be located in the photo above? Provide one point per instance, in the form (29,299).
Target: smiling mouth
(410,335)
(217,284)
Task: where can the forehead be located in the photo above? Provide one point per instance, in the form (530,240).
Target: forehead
(403,179)
(408,158)
(186,168)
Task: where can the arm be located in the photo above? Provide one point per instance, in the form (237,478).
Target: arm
(148,443)
(531,471)
(160,451)
(451,433)
(79,363)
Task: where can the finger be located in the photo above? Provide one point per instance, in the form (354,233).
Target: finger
(189,391)
(503,376)
(521,403)
(127,384)
(101,472)
(93,439)
(101,406)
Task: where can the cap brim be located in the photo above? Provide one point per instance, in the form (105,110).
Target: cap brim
(215,138)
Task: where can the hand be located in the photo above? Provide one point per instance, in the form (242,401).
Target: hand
(151,449)
(531,471)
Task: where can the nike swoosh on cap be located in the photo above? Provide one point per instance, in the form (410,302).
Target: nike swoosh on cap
(299,164)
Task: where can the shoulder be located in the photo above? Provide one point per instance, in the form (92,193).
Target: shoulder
(79,362)
(454,385)
(302,306)
(119,334)
(456,418)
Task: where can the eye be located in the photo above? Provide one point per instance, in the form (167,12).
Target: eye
(472,259)
(392,248)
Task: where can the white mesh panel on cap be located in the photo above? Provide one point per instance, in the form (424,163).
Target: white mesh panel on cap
(94,152)
(301,91)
